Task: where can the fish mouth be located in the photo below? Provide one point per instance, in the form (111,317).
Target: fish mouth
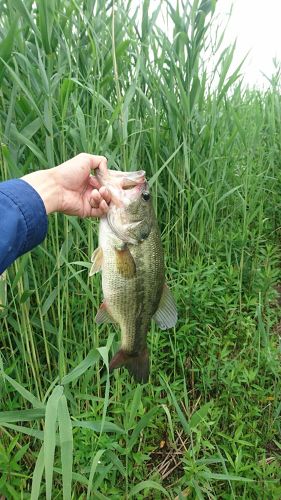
(122,185)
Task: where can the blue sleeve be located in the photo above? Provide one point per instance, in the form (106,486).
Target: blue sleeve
(23,220)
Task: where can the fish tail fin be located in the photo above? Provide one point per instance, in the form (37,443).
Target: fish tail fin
(136,363)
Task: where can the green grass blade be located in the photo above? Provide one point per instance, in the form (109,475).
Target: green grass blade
(6,46)
(50,437)
(21,85)
(199,415)
(94,466)
(21,139)
(90,360)
(66,443)
(149,486)
(24,392)
(21,415)
(99,426)
(37,475)
(181,416)
(27,431)
(153,179)
(140,426)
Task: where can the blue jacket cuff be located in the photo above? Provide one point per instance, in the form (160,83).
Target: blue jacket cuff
(32,209)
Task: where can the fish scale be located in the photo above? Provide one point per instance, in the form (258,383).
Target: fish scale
(130,257)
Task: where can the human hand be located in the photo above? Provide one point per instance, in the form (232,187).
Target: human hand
(70,188)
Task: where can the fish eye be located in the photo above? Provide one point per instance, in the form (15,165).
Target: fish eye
(145,196)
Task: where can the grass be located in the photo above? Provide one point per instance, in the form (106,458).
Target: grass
(86,76)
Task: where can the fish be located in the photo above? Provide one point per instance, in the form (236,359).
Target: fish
(131,260)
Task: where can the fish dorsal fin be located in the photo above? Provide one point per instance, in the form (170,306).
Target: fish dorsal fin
(96,259)
(103,316)
(125,263)
(166,315)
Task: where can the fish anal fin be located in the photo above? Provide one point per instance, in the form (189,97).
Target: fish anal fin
(166,315)
(103,316)
(125,263)
(96,259)
(136,363)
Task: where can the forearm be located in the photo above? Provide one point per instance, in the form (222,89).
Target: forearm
(46,184)
(24,203)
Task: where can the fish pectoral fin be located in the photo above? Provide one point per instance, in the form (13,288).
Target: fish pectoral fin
(103,316)
(96,259)
(125,263)
(166,315)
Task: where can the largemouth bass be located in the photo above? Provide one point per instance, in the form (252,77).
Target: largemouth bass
(130,257)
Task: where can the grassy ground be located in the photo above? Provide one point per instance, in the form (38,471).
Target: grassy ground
(85,76)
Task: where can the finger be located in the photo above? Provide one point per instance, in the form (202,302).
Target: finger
(103,206)
(105,194)
(96,212)
(94,182)
(101,210)
(86,161)
(95,199)
(99,162)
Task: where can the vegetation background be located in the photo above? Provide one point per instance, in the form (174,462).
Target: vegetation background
(88,76)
